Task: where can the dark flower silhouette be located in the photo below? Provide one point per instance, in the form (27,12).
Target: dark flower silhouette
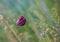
(21,21)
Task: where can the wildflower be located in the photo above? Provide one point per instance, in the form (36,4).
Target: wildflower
(21,21)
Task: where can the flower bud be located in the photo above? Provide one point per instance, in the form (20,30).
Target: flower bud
(21,21)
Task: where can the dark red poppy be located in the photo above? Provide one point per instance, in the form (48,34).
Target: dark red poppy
(21,21)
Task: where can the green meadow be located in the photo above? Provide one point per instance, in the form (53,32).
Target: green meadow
(42,20)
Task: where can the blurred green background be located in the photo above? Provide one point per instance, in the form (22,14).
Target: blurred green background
(43,20)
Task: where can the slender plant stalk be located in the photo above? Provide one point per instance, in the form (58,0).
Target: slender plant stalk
(15,34)
(9,36)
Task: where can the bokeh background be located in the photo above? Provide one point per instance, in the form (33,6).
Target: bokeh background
(42,16)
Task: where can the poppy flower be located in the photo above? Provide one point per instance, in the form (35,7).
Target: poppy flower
(21,21)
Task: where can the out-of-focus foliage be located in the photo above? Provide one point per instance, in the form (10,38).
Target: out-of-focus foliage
(43,20)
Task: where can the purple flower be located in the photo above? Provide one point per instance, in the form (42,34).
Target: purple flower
(21,21)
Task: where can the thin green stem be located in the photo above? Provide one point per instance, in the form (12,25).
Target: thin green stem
(15,34)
